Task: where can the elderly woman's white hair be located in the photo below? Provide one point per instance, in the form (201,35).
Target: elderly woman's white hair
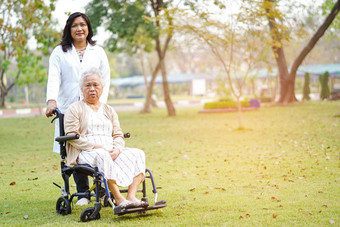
(89,72)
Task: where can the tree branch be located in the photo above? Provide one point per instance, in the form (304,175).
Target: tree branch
(16,77)
(319,33)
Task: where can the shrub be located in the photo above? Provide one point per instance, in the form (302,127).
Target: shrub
(265,99)
(306,88)
(225,104)
(324,94)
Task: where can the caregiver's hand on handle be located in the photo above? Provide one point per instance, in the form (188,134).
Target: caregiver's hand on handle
(51,105)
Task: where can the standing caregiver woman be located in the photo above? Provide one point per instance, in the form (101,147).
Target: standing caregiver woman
(75,53)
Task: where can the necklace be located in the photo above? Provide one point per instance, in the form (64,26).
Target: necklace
(81,54)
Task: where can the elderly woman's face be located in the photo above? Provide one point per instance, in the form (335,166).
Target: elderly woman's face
(79,29)
(92,88)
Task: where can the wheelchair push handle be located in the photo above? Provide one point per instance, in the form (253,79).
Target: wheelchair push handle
(56,112)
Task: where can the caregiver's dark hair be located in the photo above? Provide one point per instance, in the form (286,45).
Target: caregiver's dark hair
(66,41)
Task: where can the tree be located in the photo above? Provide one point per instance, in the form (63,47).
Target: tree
(306,88)
(277,30)
(324,94)
(128,21)
(19,22)
(235,46)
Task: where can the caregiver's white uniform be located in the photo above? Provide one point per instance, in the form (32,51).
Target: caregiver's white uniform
(64,73)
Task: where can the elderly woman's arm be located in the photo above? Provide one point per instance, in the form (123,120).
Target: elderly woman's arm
(72,124)
(117,133)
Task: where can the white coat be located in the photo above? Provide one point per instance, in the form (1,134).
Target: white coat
(64,73)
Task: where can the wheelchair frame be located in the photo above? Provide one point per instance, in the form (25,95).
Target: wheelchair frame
(63,205)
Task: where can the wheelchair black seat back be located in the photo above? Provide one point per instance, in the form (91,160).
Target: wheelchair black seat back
(64,202)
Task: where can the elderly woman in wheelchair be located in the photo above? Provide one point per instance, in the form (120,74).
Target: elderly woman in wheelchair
(101,141)
(92,142)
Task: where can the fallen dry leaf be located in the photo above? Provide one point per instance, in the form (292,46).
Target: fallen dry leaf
(274,215)
(247,215)
(12,183)
(240,217)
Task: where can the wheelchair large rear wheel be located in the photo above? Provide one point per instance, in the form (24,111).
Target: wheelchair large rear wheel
(63,206)
(85,215)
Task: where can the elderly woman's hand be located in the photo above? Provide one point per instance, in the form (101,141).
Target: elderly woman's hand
(114,153)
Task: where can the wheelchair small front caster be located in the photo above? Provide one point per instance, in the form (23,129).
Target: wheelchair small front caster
(63,206)
(86,215)
(106,202)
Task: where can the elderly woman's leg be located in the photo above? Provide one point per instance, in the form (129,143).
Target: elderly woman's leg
(102,159)
(119,198)
(132,189)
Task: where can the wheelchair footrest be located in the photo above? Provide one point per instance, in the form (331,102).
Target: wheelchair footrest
(126,210)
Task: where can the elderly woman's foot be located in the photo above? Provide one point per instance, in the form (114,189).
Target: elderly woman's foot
(139,203)
(125,203)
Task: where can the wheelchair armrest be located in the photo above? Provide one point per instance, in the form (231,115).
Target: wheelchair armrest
(66,138)
(84,168)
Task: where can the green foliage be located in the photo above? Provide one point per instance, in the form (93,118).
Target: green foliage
(324,93)
(210,173)
(127,22)
(306,87)
(326,8)
(19,22)
(222,90)
(225,104)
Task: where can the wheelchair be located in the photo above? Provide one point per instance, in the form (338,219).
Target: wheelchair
(63,205)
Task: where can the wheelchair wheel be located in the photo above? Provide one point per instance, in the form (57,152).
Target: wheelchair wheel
(63,206)
(85,215)
(106,202)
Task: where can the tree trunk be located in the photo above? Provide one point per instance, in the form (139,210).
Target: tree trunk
(3,92)
(2,101)
(148,100)
(145,75)
(167,98)
(277,47)
(239,108)
(285,84)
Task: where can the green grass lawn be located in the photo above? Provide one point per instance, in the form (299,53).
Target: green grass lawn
(281,170)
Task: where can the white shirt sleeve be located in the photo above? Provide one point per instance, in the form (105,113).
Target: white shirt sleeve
(53,81)
(105,70)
